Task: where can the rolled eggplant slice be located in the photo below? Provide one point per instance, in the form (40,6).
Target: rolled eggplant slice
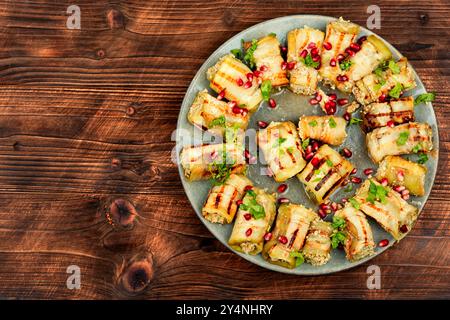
(221,204)
(282,149)
(249,229)
(328,129)
(401,172)
(394,214)
(214,115)
(371,87)
(268,58)
(289,235)
(202,162)
(324,173)
(373,51)
(318,244)
(340,34)
(402,139)
(359,238)
(224,77)
(379,114)
(303,79)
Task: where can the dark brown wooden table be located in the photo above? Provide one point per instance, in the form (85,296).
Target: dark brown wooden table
(86,118)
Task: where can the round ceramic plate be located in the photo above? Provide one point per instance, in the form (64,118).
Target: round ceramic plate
(290,108)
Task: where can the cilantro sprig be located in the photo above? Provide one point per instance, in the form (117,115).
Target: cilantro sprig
(251,205)
(425,97)
(339,234)
(218,122)
(221,170)
(249,59)
(300,259)
(266,89)
(377,193)
(403,138)
(345,65)
(309,62)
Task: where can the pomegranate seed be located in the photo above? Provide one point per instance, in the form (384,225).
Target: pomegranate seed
(333,62)
(313,101)
(332,103)
(308,149)
(263,68)
(247,154)
(283,49)
(330,107)
(272,103)
(247,216)
(362,39)
(342,102)
(282,188)
(355,47)
(244,112)
(239,202)
(249,231)
(327,45)
(283,200)
(248,84)
(399,189)
(311,45)
(283,65)
(324,206)
(291,65)
(262,124)
(315,146)
(356,180)
(354,170)
(347,116)
(382,97)
(390,124)
(240,82)
(322,213)
(404,228)
(342,78)
(315,162)
(318,97)
(384,182)
(400,176)
(314,51)
(237,110)
(405,192)
(249,187)
(405,197)
(368,171)
(249,76)
(340,57)
(283,239)
(350,52)
(383,243)
(309,156)
(316,58)
(257,73)
(221,95)
(346,152)
(304,53)
(334,206)
(268,236)
(232,104)
(332,96)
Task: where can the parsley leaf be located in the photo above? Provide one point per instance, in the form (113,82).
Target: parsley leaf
(299,257)
(345,65)
(309,62)
(250,204)
(394,67)
(354,203)
(422,158)
(338,223)
(313,123)
(272,34)
(218,122)
(403,138)
(417,148)
(376,193)
(424,97)
(266,88)
(396,91)
(355,121)
(348,188)
(237,53)
(329,163)
(338,238)
(248,57)
(221,171)
(332,123)
(278,142)
(305,143)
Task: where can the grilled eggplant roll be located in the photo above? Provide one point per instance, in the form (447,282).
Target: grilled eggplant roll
(373,51)
(281,147)
(402,139)
(203,162)
(221,204)
(385,83)
(393,213)
(379,114)
(254,219)
(318,244)
(291,228)
(214,115)
(340,34)
(328,129)
(223,78)
(268,60)
(359,238)
(324,173)
(303,79)
(401,172)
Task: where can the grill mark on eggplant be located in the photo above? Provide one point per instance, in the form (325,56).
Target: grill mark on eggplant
(333,187)
(278,163)
(231,201)
(311,174)
(327,176)
(292,240)
(294,161)
(217,200)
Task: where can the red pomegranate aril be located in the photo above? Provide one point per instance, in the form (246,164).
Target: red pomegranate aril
(283,200)
(405,197)
(221,95)
(355,47)
(237,110)
(257,73)
(399,189)
(342,78)
(315,162)
(263,68)
(248,84)
(304,53)
(283,49)
(354,170)
(327,45)
(344,200)
(347,116)
(247,216)
(249,76)
(382,97)
(282,188)
(283,65)
(333,62)
(291,65)
(322,213)
(259,81)
(314,52)
(390,124)
(405,192)
(249,187)
(404,228)
(268,236)
(262,124)
(311,45)
(315,146)
(383,243)
(356,180)
(329,108)
(324,206)
(316,58)
(247,154)
(239,202)
(249,232)
(350,52)
(313,101)
(362,39)
(332,96)
(334,206)
(309,156)
(400,176)
(309,149)
(283,239)
(346,152)
(384,182)
(342,102)
(232,104)
(240,82)
(272,103)
(318,97)
(340,57)
(368,171)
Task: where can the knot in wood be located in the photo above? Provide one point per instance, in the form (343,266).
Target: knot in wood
(137,275)
(115,19)
(121,212)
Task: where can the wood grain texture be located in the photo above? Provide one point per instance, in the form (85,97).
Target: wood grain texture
(86,118)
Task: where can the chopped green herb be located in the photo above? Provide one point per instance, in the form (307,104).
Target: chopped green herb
(394,67)
(396,91)
(355,121)
(329,163)
(348,188)
(345,65)
(290,149)
(332,123)
(338,238)
(305,143)
(354,203)
(417,148)
(218,122)
(221,171)
(299,257)
(338,223)
(313,123)
(231,133)
(272,34)
(309,62)
(425,97)
(403,138)
(248,57)
(422,158)
(376,193)
(266,88)
(237,53)
(251,205)
(278,142)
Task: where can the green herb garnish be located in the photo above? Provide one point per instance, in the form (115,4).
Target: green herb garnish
(313,123)
(338,223)
(376,193)
(339,235)
(425,97)
(403,138)
(396,91)
(394,67)
(221,171)
(266,88)
(218,122)
(345,65)
(422,158)
(329,163)
(354,203)
(272,34)
(237,53)
(290,149)
(251,205)
(248,57)
(299,257)
(417,148)
(348,188)
(278,142)
(305,143)
(355,121)
(332,123)
(309,62)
